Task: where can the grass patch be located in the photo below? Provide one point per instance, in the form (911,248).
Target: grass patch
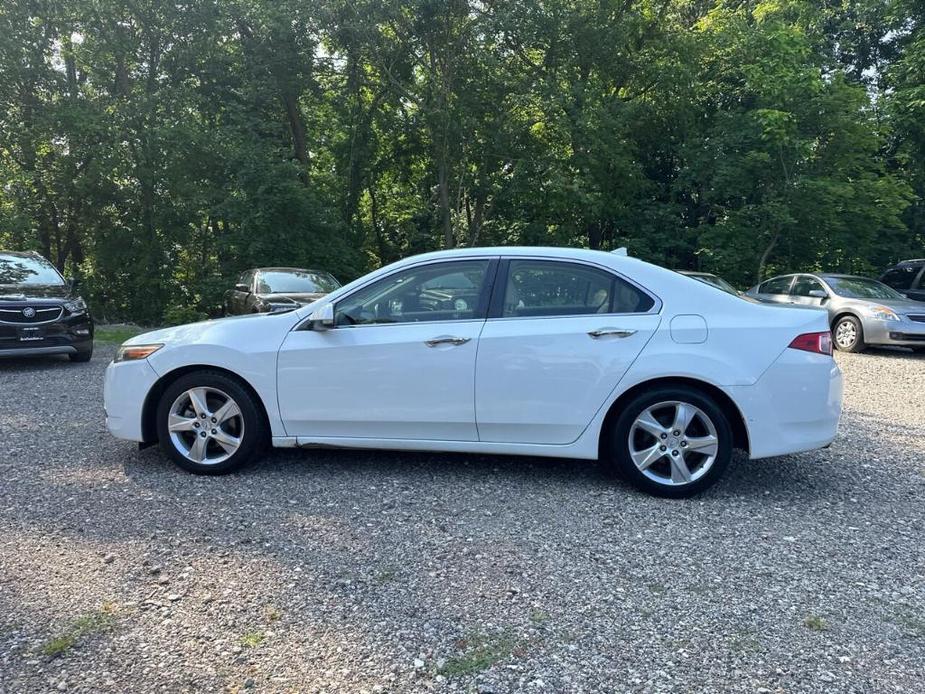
(815,623)
(479,652)
(85,625)
(116,333)
(252,639)
(539,616)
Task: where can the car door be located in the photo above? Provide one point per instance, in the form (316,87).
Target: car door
(803,290)
(559,338)
(399,362)
(776,290)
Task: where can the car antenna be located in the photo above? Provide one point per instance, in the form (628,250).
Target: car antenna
(620,251)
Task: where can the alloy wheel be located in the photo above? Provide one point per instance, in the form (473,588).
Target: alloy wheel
(846,333)
(206,425)
(673,443)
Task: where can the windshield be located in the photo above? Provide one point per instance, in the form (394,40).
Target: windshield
(295,282)
(861,288)
(26,271)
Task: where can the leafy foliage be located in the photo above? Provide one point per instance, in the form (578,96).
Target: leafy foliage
(156,150)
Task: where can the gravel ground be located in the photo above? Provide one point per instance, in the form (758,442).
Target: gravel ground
(359,571)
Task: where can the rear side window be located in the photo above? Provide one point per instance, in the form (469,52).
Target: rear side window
(539,288)
(901,278)
(778,285)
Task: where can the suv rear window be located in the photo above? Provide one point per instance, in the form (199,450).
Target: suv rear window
(19,270)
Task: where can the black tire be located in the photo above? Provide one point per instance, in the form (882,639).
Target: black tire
(251,419)
(849,322)
(82,356)
(703,473)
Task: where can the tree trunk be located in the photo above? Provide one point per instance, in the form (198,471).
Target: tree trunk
(764,256)
(443,186)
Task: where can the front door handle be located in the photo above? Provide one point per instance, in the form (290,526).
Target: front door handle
(447,340)
(610,332)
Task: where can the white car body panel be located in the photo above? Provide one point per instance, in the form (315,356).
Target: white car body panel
(529,368)
(532,386)
(380,381)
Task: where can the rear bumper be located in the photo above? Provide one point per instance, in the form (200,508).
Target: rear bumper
(795,406)
(125,387)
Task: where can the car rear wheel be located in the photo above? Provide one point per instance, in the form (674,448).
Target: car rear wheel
(848,334)
(672,442)
(208,423)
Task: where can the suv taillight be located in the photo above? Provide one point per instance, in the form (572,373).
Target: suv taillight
(819,343)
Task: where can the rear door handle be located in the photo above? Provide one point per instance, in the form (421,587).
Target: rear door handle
(610,332)
(447,340)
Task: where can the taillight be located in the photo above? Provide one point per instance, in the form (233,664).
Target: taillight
(819,343)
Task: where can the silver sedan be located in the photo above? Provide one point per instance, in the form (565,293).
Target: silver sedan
(861,311)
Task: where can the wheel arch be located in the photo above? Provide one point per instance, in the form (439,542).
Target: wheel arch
(149,408)
(724,402)
(844,313)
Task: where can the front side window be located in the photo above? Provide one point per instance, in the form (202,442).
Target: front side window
(804,285)
(435,292)
(537,288)
(778,285)
(29,271)
(901,278)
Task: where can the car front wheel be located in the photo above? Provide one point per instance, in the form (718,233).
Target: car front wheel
(672,442)
(208,423)
(848,334)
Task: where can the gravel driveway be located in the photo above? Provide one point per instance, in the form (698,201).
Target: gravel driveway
(351,572)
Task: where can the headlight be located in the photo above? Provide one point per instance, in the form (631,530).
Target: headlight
(882,313)
(77,305)
(134,352)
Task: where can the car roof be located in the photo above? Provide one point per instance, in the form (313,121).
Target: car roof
(840,276)
(284,269)
(696,273)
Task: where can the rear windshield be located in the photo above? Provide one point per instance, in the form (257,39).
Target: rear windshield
(295,282)
(19,271)
(861,288)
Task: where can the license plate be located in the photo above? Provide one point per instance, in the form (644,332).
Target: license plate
(31,334)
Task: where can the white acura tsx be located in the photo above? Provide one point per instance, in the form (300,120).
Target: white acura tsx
(526,351)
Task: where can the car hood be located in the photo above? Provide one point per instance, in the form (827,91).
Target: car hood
(298,298)
(215,331)
(34,292)
(898,305)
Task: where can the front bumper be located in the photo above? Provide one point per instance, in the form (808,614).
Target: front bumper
(903,333)
(795,406)
(125,387)
(68,335)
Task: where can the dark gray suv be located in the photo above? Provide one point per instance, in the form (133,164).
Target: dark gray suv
(907,277)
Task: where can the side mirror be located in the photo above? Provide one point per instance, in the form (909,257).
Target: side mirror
(242,288)
(322,318)
(818,294)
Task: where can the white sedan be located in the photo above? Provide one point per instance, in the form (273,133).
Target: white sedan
(524,351)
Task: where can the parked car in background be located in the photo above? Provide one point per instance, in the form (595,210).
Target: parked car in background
(270,289)
(533,351)
(710,278)
(908,278)
(862,311)
(40,312)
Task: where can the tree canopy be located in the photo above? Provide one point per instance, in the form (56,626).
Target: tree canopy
(155,150)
